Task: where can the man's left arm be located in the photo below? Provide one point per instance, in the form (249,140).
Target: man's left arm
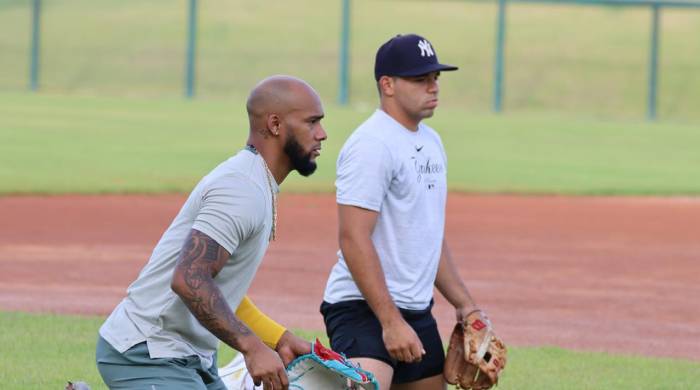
(287,344)
(451,285)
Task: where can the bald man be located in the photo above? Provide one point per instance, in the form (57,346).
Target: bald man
(191,294)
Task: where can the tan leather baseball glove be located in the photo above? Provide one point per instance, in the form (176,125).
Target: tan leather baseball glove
(475,356)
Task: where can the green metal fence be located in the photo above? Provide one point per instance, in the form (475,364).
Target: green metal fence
(220,48)
(655,7)
(499,68)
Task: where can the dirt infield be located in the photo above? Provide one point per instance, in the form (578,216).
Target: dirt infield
(603,274)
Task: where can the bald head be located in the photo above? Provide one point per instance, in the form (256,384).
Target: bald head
(279,95)
(285,124)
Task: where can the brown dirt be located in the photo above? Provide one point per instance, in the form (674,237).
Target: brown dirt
(603,274)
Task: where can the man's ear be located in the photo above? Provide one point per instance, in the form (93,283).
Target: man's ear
(273,124)
(386,85)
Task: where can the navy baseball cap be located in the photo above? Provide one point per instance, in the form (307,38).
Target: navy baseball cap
(407,55)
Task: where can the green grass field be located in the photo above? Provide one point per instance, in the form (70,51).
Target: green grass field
(60,144)
(44,351)
(563,59)
(110,119)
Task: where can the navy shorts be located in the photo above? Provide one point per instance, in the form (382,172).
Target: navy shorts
(354,330)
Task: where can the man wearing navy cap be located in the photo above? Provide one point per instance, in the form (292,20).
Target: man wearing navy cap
(391,194)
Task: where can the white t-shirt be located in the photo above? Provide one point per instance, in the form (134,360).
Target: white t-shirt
(233,206)
(402,175)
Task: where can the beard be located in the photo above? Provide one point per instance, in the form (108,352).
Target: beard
(301,162)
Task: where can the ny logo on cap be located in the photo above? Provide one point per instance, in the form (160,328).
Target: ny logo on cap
(425,48)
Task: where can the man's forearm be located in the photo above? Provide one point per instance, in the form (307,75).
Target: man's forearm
(200,261)
(363,262)
(267,329)
(449,283)
(207,304)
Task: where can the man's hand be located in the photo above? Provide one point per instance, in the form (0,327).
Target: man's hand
(463,311)
(402,342)
(265,367)
(290,346)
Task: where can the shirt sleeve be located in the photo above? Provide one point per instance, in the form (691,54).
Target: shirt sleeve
(231,210)
(442,151)
(364,173)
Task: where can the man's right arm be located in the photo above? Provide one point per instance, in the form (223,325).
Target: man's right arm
(355,235)
(201,259)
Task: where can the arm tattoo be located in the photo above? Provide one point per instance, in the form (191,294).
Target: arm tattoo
(200,261)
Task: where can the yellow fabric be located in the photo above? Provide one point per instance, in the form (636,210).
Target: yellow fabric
(263,326)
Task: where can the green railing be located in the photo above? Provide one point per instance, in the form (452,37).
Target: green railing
(653,79)
(191,49)
(34,52)
(499,61)
(345,9)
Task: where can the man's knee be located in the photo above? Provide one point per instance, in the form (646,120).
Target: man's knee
(431,383)
(383,372)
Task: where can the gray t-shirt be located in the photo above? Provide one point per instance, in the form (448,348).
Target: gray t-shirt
(233,206)
(402,175)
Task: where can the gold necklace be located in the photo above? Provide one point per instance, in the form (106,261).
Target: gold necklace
(273,233)
(270,178)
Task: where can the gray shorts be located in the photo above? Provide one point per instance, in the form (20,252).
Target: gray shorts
(134,369)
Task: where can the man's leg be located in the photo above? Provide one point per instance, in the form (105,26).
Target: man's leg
(354,330)
(432,383)
(134,369)
(426,374)
(382,371)
(211,376)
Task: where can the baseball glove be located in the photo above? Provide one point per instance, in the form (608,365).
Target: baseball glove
(326,369)
(475,356)
(322,369)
